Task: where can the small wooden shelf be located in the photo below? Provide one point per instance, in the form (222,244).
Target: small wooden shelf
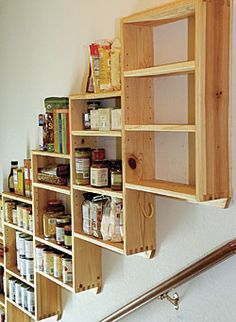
(22,309)
(14,196)
(161,127)
(56,188)
(56,280)
(51,154)
(115,247)
(25,231)
(53,244)
(97,133)
(93,96)
(101,191)
(167,69)
(13,271)
(165,188)
(2,300)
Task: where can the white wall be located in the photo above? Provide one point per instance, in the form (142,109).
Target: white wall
(43,53)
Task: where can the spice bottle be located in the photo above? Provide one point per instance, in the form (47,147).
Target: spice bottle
(99,174)
(14,165)
(67,237)
(116,175)
(82,165)
(60,229)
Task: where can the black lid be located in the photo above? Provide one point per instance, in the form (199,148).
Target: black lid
(14,162)
(83,149)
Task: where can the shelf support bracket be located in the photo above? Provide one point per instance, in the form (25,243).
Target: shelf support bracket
(174,300)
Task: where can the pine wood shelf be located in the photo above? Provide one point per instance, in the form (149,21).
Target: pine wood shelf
(22,309)
(25,231)
(95,96)
(13,271)
(51,154)
(101,191)
(56,188)
(14,196)
(56,280)
(97,133)
(53,244)
(2,300)
(165,188)
(161,128)
(161,70)
(115,247)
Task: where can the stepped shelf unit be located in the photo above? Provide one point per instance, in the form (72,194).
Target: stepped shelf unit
(207,69)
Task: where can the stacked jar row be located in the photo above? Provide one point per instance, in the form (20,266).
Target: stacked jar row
(22,294)
(54,262)
(93,168)
(19,214)
(25,255)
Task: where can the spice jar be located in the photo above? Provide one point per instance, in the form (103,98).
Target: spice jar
(66,269)
(49,225)
(82,165)
(57,257)
(67,237)
(99,174)
(48,260)
(116,175)
(60,229)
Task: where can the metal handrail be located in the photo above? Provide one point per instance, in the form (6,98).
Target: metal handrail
(160,291)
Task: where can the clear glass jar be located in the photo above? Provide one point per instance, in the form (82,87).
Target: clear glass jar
(99,174)
(82,165)
(60,229)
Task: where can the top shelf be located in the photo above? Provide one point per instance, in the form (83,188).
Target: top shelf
(93,96)
(167,69)
(50,154)
(14,196)
(164,13)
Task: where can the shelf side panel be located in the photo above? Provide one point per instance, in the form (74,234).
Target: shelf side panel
(48,298)
(87,265)
(140,231)
(14,314)
(213,29)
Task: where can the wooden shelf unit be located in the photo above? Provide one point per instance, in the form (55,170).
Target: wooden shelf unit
(207,70)
(86,258)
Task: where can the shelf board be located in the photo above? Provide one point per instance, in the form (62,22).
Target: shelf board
(50,154)
(163,13)
(161,128)
(2,300)
(115,247)
(21,308)
(101,191)
(13,271)
(25,231)
(14,196)
(93,96)
(53,244)
(97,133)
(167,69)
(52,187)
(57,281)
(165,188)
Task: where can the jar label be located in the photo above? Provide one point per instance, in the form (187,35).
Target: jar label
(60,233)
(82,167)
(116,179)
(99,177)
(68,240)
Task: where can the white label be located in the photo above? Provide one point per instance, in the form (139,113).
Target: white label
(67,271)
(99,177)
(26,172)
(22,246)
(29,251)
(60,233)
(29,270)
(39,258)
(82,167)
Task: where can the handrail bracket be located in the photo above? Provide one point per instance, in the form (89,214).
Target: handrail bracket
(174,300)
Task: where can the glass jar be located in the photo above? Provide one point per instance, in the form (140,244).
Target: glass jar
(49,225)
(98,154)
(116,175)
(66,269)
(67,237)
(99,174)
(48,264)
(60,229)
(82,165)
(57,256)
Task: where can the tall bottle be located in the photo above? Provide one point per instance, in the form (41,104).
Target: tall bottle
(14,165)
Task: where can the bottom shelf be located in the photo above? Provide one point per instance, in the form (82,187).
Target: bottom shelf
(58,281)
(21,309)
(116,247)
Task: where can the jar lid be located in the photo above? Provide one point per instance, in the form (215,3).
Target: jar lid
(103,162)
(63,220)
(67,257)
(57,252)
(14,162)
(54,202)
(83,149)
(68,227)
